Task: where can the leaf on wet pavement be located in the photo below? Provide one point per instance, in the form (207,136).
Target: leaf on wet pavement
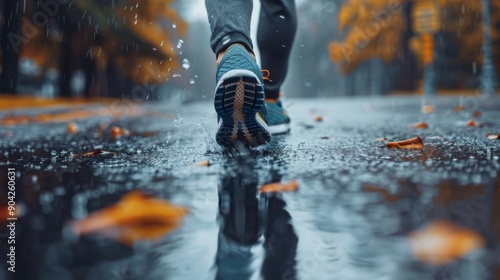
(94,153)
(137,216)
(280,187)
(476,114)
(204,163)
(420,125)
(442,242)
(72,128)
(150,133)
(473,123)
(428,109)
(413,143)
(493,136)
(318,119)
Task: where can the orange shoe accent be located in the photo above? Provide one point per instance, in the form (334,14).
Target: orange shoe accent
(266,74)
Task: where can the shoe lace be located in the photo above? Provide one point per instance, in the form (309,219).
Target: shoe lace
(266,74)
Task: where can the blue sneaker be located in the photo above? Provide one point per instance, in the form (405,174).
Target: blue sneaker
(277,117)
(239,100)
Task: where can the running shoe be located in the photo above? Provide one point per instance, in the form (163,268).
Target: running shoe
(240,101)
(277,117)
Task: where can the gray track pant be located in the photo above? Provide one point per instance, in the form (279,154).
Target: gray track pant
(230,23)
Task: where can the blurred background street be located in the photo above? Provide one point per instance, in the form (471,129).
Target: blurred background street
(106,116)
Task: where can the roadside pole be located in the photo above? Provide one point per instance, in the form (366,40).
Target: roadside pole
(426,22)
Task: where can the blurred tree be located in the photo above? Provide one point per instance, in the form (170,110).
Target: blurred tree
(111,38)
(374,29)
(460,42)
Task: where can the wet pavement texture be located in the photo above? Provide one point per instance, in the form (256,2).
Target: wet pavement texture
(356,204)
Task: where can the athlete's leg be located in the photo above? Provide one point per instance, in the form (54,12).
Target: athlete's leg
(275,35)
(230,23)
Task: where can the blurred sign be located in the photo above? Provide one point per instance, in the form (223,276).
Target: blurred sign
(425,17)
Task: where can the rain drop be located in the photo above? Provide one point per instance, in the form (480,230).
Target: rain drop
(179,44)
(191,81)
(185,64)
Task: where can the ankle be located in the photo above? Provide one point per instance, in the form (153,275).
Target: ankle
(221,54)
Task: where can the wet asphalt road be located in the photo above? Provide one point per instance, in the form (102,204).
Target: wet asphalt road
(356,203)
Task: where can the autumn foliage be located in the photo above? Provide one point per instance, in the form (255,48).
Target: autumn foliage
(373,29)
(139,38)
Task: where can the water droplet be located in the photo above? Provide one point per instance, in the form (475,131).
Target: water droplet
(282,16)
(179,44)
(185,64)
(191,81)
(177,75)
(174,25)
(53,153)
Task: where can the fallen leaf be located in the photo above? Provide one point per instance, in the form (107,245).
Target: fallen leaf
(443,242)
(72,128)
(458,108)
(420,125)
(204,163)
(476,114)
(493,136)
(279,187)
(473,123)
(413,143)
(318,119)
(94,153)
(149,134)
(379,139)
(428,109)
(137,216)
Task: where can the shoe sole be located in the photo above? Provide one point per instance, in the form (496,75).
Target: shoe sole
(239,97)
(279,129)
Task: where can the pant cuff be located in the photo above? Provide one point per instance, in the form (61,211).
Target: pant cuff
(233,38)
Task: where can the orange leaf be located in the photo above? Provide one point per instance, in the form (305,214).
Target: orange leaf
(94,153)
(279,187)
(204,163)
(149,134)
(413,143)
(72,128)
(428,109)
(442,242)
(476,114)
(137,216)
(420,125)
(318,119)
(493,136)
(473,123)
